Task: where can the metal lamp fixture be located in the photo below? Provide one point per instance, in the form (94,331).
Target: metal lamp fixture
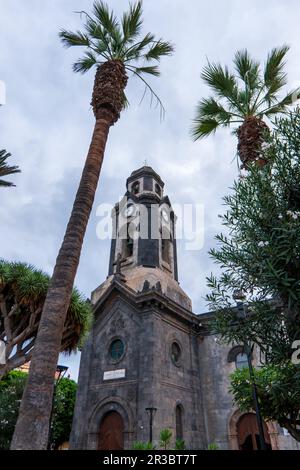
(151,413)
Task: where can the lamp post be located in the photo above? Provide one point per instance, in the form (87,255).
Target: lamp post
(238,296)
(60,373)
(151,412)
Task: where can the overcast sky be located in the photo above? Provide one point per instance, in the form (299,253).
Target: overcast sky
(47,123)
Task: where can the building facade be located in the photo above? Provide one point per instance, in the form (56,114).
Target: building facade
(148,355)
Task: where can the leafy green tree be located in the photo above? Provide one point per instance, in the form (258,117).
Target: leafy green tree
(243,99)
(165,438)
(6,170)
(11,390)
(23,290)
(278,389)
(114,48)
(260,254)
(64,403)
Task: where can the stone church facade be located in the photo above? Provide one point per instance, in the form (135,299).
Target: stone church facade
(148,353)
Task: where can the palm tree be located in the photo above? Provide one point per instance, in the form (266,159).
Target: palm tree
(165,438)
(244,99)
(5,169)
(114,48)
(23,289)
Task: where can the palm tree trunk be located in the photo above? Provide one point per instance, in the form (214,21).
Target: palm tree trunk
(32,428)
(251,135)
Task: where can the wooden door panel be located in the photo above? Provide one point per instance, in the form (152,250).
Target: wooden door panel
(111,433)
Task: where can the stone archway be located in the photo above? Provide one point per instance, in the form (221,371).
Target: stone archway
(107,414)
(237,435)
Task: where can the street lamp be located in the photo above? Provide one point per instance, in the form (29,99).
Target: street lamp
(239,297)
(151,412)
(59,374)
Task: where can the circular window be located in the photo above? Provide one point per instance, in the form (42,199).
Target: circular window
(176,353)
(116,349)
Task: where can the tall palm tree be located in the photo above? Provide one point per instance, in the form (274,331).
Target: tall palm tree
(114,48)
(5,169)
(243,99)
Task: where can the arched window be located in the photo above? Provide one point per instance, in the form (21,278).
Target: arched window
(166,246)
(135,187)
(176,353)
(238,356)
(116,349)
(179,422)
(127,241)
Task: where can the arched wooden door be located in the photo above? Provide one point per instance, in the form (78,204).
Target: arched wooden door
(248,435)
(111,432)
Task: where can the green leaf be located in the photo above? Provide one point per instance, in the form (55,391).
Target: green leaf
(220,80)
(105,18)
(204,127)
(158,50)
(210,108)
(247,68)
(151,70)
(6,169)
(281,106)
(274,75)
(70,39)
(86,63)
(132,22)
(135,52)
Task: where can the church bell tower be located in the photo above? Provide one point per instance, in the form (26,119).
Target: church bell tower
(142,352)
(144,226)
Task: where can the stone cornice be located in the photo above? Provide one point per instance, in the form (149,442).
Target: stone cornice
(151,298)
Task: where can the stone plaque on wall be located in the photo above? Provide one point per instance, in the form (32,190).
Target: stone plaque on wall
(114,374)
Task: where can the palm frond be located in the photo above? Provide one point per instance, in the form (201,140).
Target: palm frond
(223,83)
(98,36)
(150,89)
(86,63)
(132,22)
(210,108)
(204,127)
(101,48)
(135,51)
(106,18)
(151,70)
(94,29)
(282,105)
(5,169)
(247,68)
(274,76)
(159,49)
(117,44)
(6,184)
(70,39)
